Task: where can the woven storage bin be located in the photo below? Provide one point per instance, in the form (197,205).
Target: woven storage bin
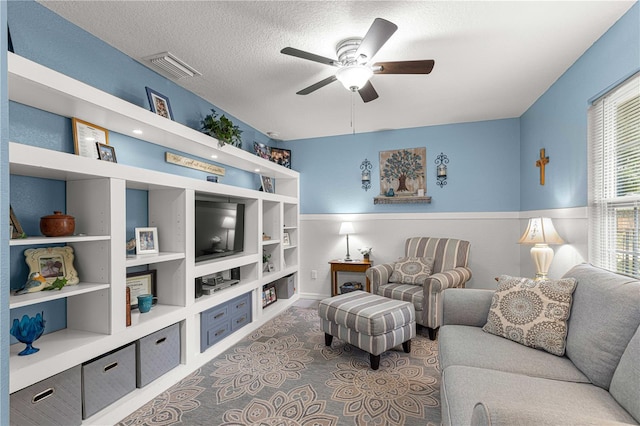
(156,354)
(53,401)
(107,379)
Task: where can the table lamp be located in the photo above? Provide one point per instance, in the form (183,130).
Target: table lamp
(346,228)
(541,233)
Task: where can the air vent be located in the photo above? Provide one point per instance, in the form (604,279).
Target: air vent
(167,63)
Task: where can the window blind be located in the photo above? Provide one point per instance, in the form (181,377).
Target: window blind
(614,179)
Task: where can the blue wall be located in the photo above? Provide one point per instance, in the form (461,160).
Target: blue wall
(558,120)
(4,222)
(483,168)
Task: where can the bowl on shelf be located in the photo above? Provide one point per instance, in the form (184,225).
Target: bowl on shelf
(27,331)
(57,225)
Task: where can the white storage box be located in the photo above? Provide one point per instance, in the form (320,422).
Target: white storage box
(156,354)
(107,379)
(53,401)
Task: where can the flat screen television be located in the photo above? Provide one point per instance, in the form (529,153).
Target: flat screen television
(219,229)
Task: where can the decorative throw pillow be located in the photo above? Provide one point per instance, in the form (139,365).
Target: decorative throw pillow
(533,313)
(411,270)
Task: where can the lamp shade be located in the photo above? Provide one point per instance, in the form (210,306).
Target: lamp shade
(540,230)
(346,228)
(354,77)
(229,222)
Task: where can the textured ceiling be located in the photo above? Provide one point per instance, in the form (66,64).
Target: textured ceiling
(493,59)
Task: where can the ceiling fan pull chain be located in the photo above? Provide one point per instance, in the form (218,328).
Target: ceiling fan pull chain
(353,112)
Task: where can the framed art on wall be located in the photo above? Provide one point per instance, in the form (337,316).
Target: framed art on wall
(85,137)
(159,104)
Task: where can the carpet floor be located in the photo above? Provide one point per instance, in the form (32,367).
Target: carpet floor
(283,374)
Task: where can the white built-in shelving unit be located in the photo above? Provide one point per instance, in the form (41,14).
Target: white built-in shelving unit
(96,197)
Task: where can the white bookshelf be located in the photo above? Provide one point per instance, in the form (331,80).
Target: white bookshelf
(96,306)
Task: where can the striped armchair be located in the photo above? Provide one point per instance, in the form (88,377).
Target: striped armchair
(449,270)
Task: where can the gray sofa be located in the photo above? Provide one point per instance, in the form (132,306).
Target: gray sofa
(490,380)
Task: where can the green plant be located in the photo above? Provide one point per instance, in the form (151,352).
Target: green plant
(222,129)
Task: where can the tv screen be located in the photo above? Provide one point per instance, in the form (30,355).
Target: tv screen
(219,229)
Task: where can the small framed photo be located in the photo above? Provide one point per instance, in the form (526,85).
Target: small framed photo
(159,103)
(106,152)
(147,241)
(271,267)
(267,184)
(262,150)
(281,156)
(285,239)
(52,263)
(141,283)
(16,228)
(86,136)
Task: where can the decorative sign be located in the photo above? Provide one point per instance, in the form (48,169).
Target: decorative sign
(193,164)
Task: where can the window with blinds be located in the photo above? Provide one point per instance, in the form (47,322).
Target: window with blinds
(614,179)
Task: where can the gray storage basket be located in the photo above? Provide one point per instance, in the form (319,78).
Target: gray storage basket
(53,401)
(107,379)
(156,354)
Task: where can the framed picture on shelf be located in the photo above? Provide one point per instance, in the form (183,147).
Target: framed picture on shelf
(267,184)
(106,152)
(281,156)
(139,283)
(16,228)
(147,241)
(271,267)
(285,239)
(85,137)
(52,263)
(159,103)
(262,150)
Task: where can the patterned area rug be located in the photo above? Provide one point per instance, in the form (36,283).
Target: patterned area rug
(283,374)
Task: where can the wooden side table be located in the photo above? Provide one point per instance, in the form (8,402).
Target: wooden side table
(340,265)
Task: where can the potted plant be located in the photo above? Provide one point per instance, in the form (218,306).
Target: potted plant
(222,129)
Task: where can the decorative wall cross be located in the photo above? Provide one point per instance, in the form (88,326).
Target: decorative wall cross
(541,163)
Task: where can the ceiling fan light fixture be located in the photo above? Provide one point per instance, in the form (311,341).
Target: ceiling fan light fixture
(354,77)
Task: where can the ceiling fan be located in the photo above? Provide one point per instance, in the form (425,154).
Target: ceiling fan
(354,54)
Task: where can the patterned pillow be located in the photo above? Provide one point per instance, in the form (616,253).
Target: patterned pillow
(411,270)
(533,313)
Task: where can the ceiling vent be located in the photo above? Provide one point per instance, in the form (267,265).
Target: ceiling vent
(167,64)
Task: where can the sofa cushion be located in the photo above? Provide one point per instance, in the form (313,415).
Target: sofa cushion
(532,313)
(411,270)
(604,317)
(470,346)
(463,387)
(625,385)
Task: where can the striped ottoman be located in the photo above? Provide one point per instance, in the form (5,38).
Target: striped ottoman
(373,323)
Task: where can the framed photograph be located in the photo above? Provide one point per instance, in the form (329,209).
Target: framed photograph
(271,267)
(86,136)
(147,241)
(52,263)
(16,228)
(262,150)
(159,103)
(285,239)
(267,184)
(281,156)
(138,283)
(106,152)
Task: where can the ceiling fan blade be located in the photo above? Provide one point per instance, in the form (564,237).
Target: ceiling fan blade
(317,85)
(368,93)
(306,55)
(405,67)
(379,32)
